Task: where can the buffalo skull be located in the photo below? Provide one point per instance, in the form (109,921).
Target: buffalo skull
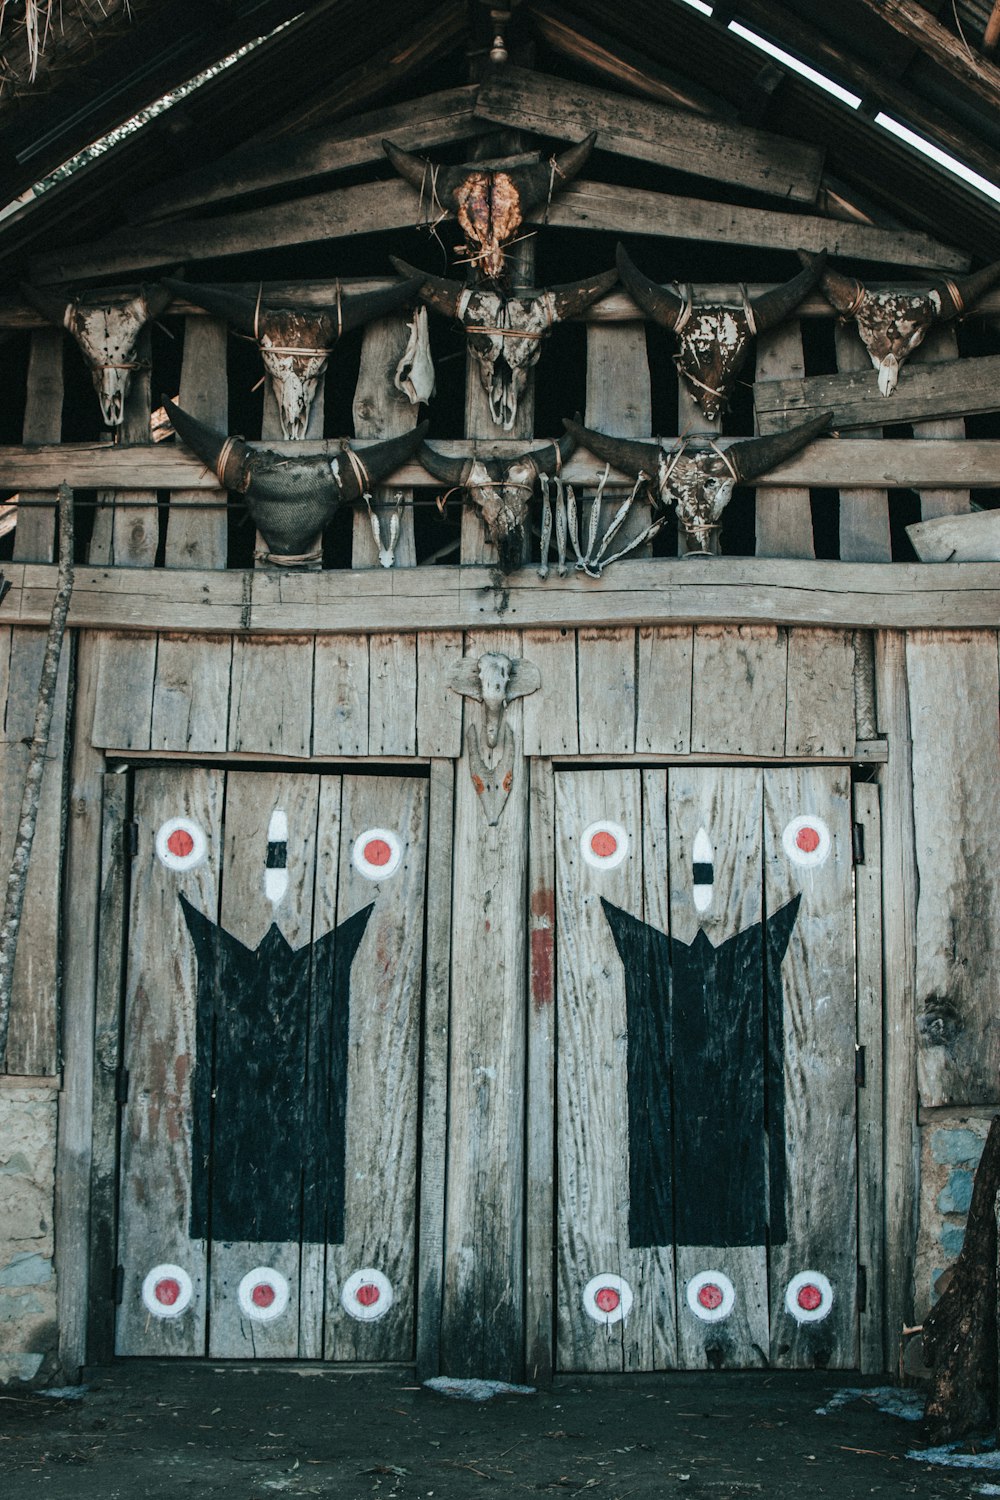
(715,341)
(505,333)
(107,330)
(295,343)
(699,481)
(490,203)
(292,500)
(501,489)
(893,321)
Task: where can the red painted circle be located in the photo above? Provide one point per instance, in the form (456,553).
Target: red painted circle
(607,1298)
(377,852)
(807,839)
(368,1294)
(604,844)
(809,1297)
(180,843)
(710,1296)
(167,1291)
(262,1295)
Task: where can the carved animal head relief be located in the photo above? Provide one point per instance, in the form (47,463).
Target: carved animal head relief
(501,489)
(697,480)
(295,343)
(292,500)
(714,341)
(505,333)
(490,203)
(892,322)
(107,329)
(494,680)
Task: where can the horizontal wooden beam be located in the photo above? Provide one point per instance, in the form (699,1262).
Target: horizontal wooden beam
(657,591)
(635,128)
(379,206)
(951,388)
(916,22)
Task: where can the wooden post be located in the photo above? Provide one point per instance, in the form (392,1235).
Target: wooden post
(784,516)
(380,411)
(36,527)
(541,1106)
(126,529)
(864,513)
(199,538)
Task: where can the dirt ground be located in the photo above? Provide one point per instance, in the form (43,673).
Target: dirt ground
(168,1431)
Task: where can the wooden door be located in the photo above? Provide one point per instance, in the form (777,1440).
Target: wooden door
(271,1041)
(705,1064)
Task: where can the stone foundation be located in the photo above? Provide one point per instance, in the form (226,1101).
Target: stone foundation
(28,1314)
(949,1154)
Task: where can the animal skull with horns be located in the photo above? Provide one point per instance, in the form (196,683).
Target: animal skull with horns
(893,321)
(106,328)
(505,333)
(292,500)
(295,343)
(715,340)
(699,481)
(501,489)
(490,203)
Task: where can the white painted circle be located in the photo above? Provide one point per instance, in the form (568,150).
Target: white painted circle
(181,844)
(376,853)
(711,1296)
(167,1291)
(366,1295)
(807,841)
(607,1299)
(604,845)
(809,1297)
(263,1294)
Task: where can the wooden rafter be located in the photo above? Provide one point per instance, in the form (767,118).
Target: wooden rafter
(915,22)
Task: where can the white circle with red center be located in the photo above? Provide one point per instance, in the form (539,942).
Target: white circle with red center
(181,844)
(607,1299)
(604,845)
(807,841)
(263,1294)
(167,1291)
(711,1296)
(366,1295)
(809,1297)
(376,853)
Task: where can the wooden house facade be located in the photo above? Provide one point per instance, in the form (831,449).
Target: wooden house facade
(510,969)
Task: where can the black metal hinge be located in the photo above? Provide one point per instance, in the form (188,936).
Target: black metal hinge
(858,842)
(132,838)
(862,1289)
(860,1062)
(118,1286)
(121,1085)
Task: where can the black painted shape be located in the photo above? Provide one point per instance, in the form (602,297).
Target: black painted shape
(696,1083)
(270,1083)
(277,856)
(702,874)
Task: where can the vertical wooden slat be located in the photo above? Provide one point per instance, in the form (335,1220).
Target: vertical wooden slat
(271,428)
(864,513)
(392,694)
(871,1196)
(126,527)
(783,516)
(820,714)
(941,343)
(619,403)
(738,689)
(439,709)
(541,1104)
(606,690)
(663,689)
(381,411)
(34,539)
(123,712)
(198,538)
(550,714)
(270,704)
(191,693)
(340,695)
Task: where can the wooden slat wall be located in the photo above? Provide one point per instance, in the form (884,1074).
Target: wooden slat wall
(784,516)
(864,513)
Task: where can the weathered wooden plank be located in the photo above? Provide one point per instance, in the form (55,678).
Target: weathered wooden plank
(160,1055)
(126,673)
(439,709)
(36,528)
(818,1029)
(958,538)
(191,693)
(606,690)
(663,689)
(954,694)
(941,343)
(926,390)
(820,712)
(270,702)
(783,516)
(550,714)
(726,804)
(381,411)
(340,695)
(199,538)
(540,1147)
(434,1097)
(392,694)
(738,689)
(864,513)
(652,132)
(271,428)
(126,524)
(380,1199)
(871,1195)
(619,402)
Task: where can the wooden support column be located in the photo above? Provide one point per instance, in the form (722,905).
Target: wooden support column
(941,344)
(784,516)
(34,540)
(380,411)
(126,528)
(198,538)
(864,513)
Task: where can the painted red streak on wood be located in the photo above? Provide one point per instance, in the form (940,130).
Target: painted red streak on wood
(180,843)
(477,782)
(262,1295)
(167,1291)
(604,844)
(710,1296)
(607,1299)
(807,840)
(543,904)
(809,1297)
(508,781)
(377,852)
(368,1294)
(542,965)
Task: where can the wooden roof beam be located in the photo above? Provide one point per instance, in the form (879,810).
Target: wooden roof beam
(936,42)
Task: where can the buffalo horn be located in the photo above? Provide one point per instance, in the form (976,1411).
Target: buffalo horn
(651,297)
(573,296)
(755,456)
(841,291)
(381,458)
(51,307)
(235,310)
(547,460)
(157,298)
(627,454)
(210,446)
(969,288)
(441,294)
(453,471)
(772,308)
(535,183)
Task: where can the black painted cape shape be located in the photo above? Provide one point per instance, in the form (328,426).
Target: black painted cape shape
(270,1084)
(701,1091)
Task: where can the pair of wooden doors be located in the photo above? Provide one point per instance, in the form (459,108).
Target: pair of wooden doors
(272,1045)
(706,1068)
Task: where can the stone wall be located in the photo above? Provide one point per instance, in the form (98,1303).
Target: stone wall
(28,1317)
(949,1154)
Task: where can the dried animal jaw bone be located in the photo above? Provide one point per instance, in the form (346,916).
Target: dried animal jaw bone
(715,341)
(415,371)
(892,322)
(592,562)
(490,203)
(107,331)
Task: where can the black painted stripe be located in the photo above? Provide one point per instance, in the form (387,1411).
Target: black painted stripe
(703,874)
(277,856)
